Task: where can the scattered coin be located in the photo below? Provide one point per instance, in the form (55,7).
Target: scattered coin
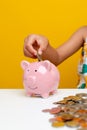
(57,124)
(82,94)
(84,124)
(55,110)
(46,110)
(52,119)
(82,129)
(71,111)
(67,117)
(72,124)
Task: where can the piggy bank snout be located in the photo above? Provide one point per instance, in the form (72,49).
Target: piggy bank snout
(31,80)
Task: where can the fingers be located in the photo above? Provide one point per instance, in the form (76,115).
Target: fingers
(41,49)
(42,45)
(28,54)
(28,46)
(34,43)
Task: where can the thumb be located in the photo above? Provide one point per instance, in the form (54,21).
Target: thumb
(40,51)
(42,48)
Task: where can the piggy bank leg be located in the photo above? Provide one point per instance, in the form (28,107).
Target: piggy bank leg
(45,95)
(29,94)
(53,92)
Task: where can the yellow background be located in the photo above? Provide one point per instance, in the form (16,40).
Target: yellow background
(56,19)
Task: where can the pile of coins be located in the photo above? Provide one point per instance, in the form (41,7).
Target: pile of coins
(70,112)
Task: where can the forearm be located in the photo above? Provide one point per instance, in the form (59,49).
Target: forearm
(74,43)
(71,46)
(51,54)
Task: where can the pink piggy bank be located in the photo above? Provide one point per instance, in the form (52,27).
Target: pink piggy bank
(40,78)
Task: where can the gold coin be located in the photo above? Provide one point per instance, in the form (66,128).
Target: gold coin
(82,94)
(82,129)
(72,124)
(58,124)
(67,117)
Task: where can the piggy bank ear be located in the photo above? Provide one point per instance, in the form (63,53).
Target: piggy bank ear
(47,65)
(24,64)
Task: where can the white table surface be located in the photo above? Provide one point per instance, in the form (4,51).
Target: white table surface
(19,112)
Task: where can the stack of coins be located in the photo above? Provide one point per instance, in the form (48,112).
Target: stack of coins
(70,112)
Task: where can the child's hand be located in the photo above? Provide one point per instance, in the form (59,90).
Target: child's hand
(34,43)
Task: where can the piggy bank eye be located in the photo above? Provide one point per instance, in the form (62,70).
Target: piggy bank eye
(35,70)
(28,70)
